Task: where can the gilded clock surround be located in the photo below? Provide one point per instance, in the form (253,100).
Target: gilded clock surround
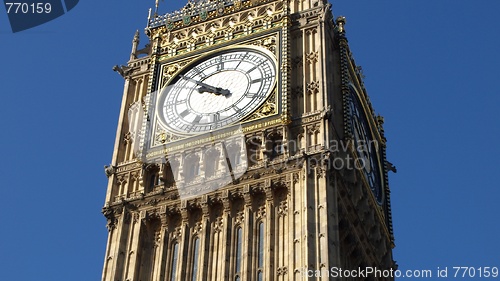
(269,108)
(313,216)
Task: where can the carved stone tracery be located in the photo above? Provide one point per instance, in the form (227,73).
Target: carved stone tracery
(312,57)
(312,87)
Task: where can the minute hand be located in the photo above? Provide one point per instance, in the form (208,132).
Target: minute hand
(207,88)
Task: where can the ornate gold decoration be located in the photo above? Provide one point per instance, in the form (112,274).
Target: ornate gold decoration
(158,32)
(162,136)
(267,42)
(228,34)
(267,109)
(268,22)
(191,44)
(205,14)
(237,5)
(286,119)
(220,8)
(168,72)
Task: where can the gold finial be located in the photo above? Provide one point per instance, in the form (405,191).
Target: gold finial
(340,23)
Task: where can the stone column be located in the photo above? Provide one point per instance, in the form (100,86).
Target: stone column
(159,266)
(134,245)
(248,230)
(269,240)
(322,221)
(114,226)
(183,243)
(226,238)
(205,237)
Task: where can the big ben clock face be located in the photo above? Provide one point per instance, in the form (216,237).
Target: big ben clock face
(217,90)
(366,146)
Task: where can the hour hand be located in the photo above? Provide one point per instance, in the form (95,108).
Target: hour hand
(205,88)
(214,90)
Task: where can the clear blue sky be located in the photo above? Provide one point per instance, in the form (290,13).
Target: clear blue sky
(431,70)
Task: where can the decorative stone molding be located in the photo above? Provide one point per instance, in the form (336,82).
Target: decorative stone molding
(218,225)
(283,208)
(312,57)
(282,270)
(312,87)
(197,228)
(239,218)
(176,234)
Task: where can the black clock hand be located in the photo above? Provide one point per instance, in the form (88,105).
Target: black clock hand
(214,90)
(207,88)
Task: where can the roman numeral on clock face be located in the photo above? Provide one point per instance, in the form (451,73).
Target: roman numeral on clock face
(197,119)
(173,103)
(220,64)
(198,72)
(216,117)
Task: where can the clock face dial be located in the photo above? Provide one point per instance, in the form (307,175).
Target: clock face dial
(366,147)
(217,91)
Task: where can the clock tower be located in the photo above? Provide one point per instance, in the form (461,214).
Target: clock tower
(247,149)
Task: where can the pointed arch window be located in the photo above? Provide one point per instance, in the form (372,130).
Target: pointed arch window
(193,170)
(233,154)
(170,173)
(235,160)
(260,251)
(253,151)
(196,251)
(191,167)
(153,181)
(275,146)
(238,253)
(175,254)
(152,177)
(211,163)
